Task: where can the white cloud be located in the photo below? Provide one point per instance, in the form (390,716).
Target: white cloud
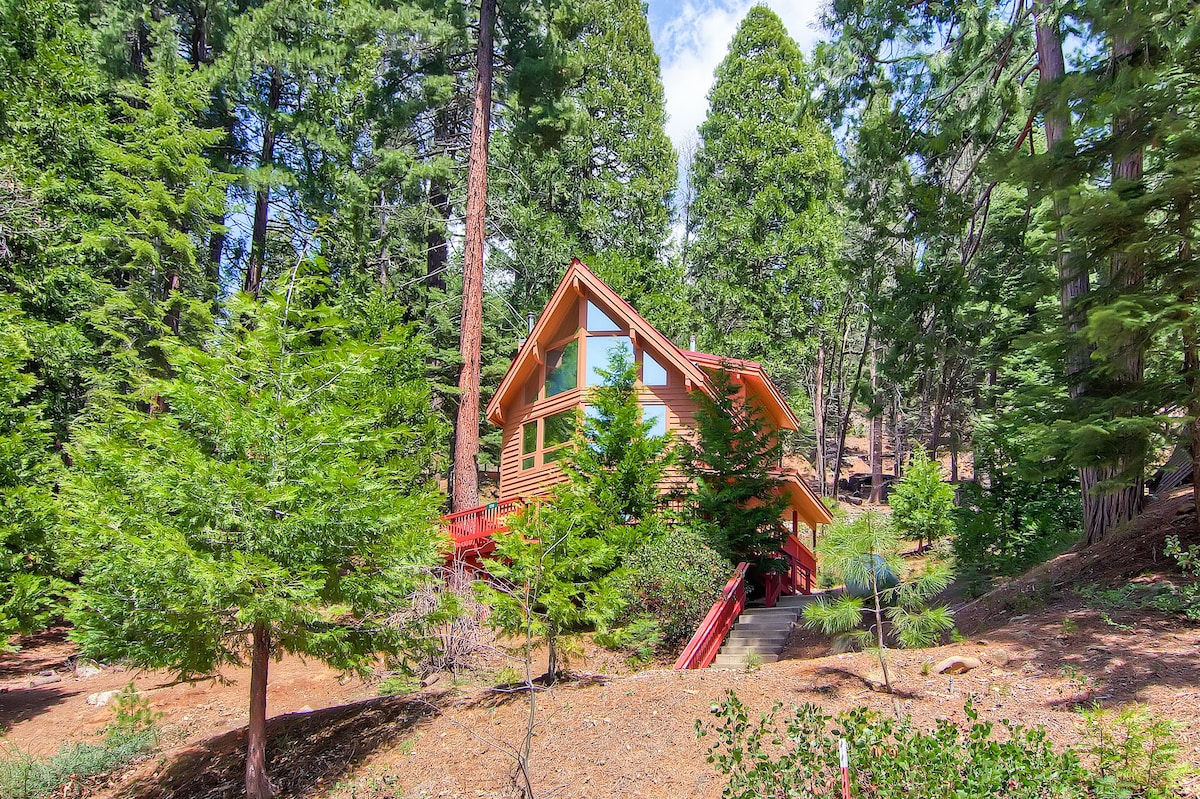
(692,37)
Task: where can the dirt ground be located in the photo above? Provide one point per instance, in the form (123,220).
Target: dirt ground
(614,732)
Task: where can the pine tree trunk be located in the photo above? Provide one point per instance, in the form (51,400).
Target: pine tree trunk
(437,249)
(258,786)
(876,432)
(899,442)
(466,437)
(262,197)
(1105,509)
(172,288)
(844,424)
(819,419)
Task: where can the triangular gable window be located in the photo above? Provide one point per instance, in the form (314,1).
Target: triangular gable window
(600,322)
(653,372)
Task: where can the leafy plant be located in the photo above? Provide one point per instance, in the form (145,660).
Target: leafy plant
(132,732)
(866,553)
(923,505)
(1134,751)
(1189,562)
(554,571)
(674,578)
(277,499)
(797,755)
(737,503)
(641,638)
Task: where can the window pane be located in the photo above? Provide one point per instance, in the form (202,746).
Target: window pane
(527,463)
(557,429)
(562,369)
(653,372)
(599,349)
(600,322)
(656,415)
(528,437)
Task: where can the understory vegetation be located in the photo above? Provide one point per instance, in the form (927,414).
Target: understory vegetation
(132,732)
(1125,754)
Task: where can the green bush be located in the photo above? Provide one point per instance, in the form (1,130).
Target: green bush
(641,639)
(1014,524)
(133,731)
(922,505)
(798,756)
(674,579)
(1133,751)
(1189,561)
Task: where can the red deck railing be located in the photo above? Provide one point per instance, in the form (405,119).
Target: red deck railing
(800,578)
(703,648)
(471,530)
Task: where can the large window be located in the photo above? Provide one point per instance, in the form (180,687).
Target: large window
(562,368)
(599,350)
(556,434)
(656,415)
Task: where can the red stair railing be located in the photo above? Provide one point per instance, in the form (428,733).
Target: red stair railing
(703,648)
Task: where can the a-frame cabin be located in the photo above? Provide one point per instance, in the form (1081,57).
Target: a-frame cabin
(546,386)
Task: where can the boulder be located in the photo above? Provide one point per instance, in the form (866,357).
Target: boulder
(102,698)
(957,664)
(86,668)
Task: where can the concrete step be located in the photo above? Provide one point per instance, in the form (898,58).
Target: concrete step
(741,649)
(763,641)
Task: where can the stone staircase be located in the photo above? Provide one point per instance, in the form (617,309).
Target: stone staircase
(761,632)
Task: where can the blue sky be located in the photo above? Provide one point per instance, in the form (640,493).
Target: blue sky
(691,37)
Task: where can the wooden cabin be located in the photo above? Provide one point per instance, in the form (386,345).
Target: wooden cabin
(539,399)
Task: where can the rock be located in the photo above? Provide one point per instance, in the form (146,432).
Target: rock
(957,664)
(999,657)
(45,679)
(102,698)
(86,668)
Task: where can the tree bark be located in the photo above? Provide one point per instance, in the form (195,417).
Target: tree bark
(1120,504)
(844,423)
(819,419)
(876,432)
(258,786)
(466,437)
(262,197)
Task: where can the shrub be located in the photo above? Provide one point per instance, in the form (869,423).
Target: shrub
(674,578)
(922,505)
(133,731)
(1013,524)
(1133,751)
(798,756)
(1189,561)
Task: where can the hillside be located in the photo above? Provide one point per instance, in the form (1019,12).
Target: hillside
(1045,650)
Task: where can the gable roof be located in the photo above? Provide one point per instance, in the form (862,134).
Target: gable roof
(693,365)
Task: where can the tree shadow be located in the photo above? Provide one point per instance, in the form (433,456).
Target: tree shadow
(305,751)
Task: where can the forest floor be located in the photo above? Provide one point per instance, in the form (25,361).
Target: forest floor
(1069,634)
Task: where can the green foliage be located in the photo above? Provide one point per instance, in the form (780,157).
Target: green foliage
(132,732)
(1189,562)
(674,578)
(764,218)
(555,571)
(855,551)
(737,504)
(281,477)
(1134,752)
(1013,524)
(641,638)
(601,189)
(798,755)
(923,505)
(30,591)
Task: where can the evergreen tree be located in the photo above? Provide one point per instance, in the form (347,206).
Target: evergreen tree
(738,502)
(277,498)
(556,570)
(923,505)
(29,587)
(764,220)
(601,189)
